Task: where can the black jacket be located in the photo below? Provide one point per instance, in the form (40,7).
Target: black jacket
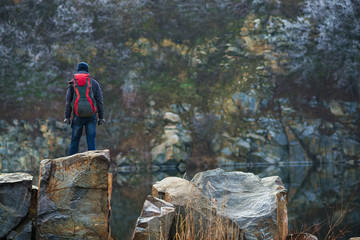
(97,95)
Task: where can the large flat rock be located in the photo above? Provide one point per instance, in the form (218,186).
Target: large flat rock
(74,196)
(256,205)
(238,204)
(15,200)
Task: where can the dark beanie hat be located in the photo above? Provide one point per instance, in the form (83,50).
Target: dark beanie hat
(83,66)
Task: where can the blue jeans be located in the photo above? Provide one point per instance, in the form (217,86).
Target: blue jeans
(77,126)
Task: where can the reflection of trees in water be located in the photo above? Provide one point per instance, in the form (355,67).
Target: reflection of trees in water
(130,190)
(324,193)
(313,191)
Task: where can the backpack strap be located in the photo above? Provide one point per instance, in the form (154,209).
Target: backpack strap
(76,90)
(90,96)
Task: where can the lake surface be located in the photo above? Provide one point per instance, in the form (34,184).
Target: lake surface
(315,195)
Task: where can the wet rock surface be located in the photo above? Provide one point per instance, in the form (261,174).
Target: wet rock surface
(74,196)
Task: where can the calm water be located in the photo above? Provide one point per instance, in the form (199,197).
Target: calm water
(314,192)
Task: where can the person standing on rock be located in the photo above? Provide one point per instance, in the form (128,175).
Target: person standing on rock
(84,99)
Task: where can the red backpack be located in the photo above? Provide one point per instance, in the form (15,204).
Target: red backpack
(83,101)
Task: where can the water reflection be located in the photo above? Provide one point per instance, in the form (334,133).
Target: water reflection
(129,193)
(313,191)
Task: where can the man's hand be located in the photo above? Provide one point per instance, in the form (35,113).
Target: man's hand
(101,121)
(67,121)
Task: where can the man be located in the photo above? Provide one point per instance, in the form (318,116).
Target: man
(84,99)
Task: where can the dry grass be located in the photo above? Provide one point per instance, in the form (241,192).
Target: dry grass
(200,221)
(334,220)
(192,225)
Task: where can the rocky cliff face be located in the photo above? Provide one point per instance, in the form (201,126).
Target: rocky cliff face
(249,81)
(271,139)
(23,144)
